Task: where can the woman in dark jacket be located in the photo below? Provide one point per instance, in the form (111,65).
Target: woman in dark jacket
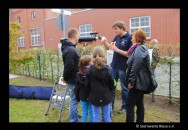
(137,79)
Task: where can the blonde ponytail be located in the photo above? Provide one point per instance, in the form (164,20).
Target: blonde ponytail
(98,56)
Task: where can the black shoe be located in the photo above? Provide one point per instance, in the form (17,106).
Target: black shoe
(122,110)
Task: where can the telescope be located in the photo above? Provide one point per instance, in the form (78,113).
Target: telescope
(90,38)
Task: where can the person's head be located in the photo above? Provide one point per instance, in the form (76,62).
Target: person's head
(119,27)
(139,36)
(84,61)
(98,56)
(154,41)
(73,35)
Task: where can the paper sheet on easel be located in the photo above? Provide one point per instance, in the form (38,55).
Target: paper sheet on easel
(110,54)
(150,55)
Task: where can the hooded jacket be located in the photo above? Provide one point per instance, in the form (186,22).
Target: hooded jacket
(100,85)
(71,59)
(81,92)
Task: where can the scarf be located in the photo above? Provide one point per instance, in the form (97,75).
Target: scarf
(132,48)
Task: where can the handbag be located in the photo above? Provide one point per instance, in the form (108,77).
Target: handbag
(153,85)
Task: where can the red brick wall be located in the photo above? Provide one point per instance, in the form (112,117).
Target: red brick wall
(52,34)
(22,14)
(162,22)
(27,23)
(10,15)
(165,23)
(37,23)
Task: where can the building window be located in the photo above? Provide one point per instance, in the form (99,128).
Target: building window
(35,37)
(141,23)
(33,15)
(19,20)
(85,29)
(21,41)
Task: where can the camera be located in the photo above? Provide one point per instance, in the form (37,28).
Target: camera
(90,38)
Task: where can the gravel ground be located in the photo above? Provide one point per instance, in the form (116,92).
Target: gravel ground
(162,77)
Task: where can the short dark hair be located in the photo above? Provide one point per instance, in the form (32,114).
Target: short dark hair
(119,24)
(72,32)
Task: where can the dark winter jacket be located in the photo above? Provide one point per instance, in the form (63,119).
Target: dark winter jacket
(100,85)
(81,93)
(139,68)
(71,59)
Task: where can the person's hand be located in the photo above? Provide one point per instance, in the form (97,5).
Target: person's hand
(130,85)
(62,79)
(103,40)
(113,47)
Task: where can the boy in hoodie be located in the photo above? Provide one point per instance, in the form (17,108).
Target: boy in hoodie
(100,85)
(71,59)
(81,93)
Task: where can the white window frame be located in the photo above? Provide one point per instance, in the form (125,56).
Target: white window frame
(19,19)
(85,33)
(33,15)
(21,41)
(35,37)
(139,25)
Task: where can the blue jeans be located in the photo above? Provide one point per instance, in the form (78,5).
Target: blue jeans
(111,110)
(119,74)
(86,106)
(105,113)
(73,106)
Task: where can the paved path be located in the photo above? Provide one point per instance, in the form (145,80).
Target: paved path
(13,76)
(162,77)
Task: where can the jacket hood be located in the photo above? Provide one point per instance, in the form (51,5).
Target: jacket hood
(66,43)
(99,73)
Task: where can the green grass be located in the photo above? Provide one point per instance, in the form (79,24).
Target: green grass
(29,81)
(24,110)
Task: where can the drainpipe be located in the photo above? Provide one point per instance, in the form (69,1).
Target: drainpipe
(44,40)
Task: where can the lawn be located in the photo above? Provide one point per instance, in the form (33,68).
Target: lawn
(24,110)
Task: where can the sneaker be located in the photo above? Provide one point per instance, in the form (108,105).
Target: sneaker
(122,110)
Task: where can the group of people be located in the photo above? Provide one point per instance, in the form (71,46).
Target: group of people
(92,83)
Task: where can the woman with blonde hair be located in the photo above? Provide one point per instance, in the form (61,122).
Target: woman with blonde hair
(100,86)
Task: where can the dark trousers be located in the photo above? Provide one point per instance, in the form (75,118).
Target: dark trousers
(135,97)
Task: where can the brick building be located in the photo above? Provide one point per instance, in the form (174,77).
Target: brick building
(40,29)
(32,25)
